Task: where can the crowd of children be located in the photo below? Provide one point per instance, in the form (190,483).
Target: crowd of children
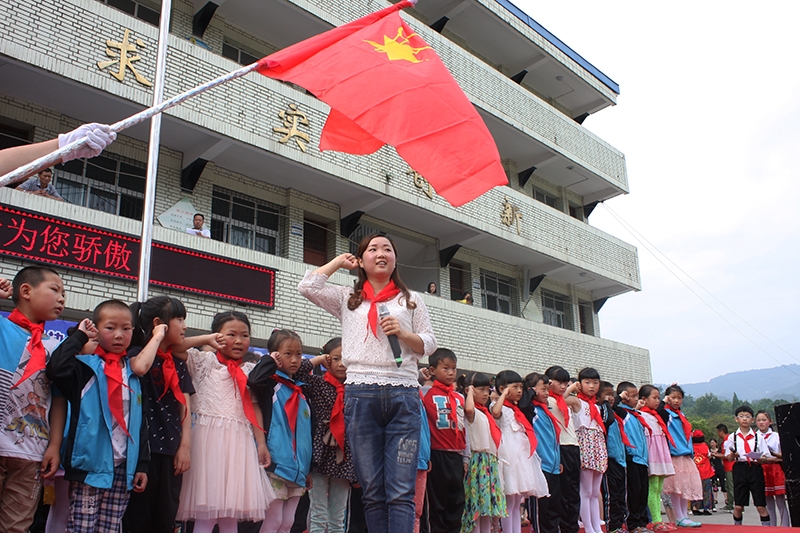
(148,427)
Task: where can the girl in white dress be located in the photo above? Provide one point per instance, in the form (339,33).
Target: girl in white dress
(520,470)
(226,482)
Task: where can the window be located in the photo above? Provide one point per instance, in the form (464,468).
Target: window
(496,292)
(245,221)
(10,136)
(106,183)
(585,316)
(315,242)
(236,53)
(545,198)
(141,12)
(459,274)
(556,310)
(576,211)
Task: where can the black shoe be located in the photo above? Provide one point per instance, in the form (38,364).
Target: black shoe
(697,513)
(707,512)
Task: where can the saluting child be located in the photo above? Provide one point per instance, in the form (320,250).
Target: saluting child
(659,462)
(636,456)
(289,436)
(547,430)
(614,480)
(483,487)
(332,470)
(106,453)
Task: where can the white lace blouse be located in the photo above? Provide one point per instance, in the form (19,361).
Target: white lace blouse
(369,359)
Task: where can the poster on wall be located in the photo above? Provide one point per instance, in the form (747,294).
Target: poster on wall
(179,216)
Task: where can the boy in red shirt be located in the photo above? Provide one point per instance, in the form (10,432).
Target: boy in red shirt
(445,410)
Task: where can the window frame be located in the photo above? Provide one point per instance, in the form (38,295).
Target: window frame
(490,280)
(551,315)
(224,227)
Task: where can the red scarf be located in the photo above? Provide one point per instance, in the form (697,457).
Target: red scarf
(387,293)
(292,406)
(240,382)
(553,418)
(660,421)
(638,416)
(35,347)
(170,374)
(114,383)
(594,412)
(493,427)
(563,407)
(452,398)
(687,426)
(337,413)
(524,422)
(621,425)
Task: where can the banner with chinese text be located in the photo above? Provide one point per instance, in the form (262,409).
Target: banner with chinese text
(63,243)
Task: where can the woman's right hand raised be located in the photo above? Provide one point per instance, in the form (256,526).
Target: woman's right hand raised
(347,261)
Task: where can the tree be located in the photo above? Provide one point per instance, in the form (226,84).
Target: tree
(707,405)
(735,402)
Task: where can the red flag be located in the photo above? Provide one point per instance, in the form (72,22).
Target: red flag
(385,85)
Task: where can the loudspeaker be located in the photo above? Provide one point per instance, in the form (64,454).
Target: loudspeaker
(788,419)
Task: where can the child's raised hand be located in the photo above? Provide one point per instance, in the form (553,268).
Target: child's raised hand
(504,394)
(88,327)
(327,360)
(216,341)
(426,373)
(5,289)
(624,395)
(159,332)
(276,356)
(469,391)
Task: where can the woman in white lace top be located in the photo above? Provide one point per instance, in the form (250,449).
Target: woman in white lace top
(382,414)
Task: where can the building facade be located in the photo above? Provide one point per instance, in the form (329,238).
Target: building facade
(247,156)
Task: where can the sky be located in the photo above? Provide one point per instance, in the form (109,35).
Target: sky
(709,121)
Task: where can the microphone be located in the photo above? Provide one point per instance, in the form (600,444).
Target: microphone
(383,312)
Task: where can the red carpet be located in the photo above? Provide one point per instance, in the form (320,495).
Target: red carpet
(722,528)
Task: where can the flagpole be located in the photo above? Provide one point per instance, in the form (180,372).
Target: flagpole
(55,157)
(148,212)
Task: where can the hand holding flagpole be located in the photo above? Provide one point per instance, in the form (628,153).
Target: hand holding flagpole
(55,157)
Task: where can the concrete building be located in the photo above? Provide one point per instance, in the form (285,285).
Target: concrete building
(537,270)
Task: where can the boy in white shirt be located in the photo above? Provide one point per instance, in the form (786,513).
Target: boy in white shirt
(746,447)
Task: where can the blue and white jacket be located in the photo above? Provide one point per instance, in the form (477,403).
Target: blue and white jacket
(87,455)
(290,454)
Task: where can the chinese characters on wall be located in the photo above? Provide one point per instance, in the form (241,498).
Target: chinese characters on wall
(510,215)
(119,51)
(292,119)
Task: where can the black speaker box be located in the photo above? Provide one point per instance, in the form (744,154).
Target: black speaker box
(788,420)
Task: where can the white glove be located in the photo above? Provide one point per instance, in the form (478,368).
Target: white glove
(98,137)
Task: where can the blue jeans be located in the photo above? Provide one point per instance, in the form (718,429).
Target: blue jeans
(383,426)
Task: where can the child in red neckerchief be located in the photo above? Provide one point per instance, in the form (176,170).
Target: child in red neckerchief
(521,466)
(166,388)
(445,411)
(592,442)
(332,470)
(748,449)
(289,437)
(774,478)
(483,487)
(659,461)
(685,485)
(226,483)
(107,450)
(33,422)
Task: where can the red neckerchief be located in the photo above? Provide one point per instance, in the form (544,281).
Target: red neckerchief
(553,418)
(452,398)
(621,425)
(240,382)
(638,416)
(337,413)
(746,440)
(660,421)
(594,412)
(497,435)
(170,374)
(687,426)
(292,406)
(524,422)
(563,407)
(387,293)
(114,383)
(35,346)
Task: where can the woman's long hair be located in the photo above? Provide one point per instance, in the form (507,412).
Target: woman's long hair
(357,295)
